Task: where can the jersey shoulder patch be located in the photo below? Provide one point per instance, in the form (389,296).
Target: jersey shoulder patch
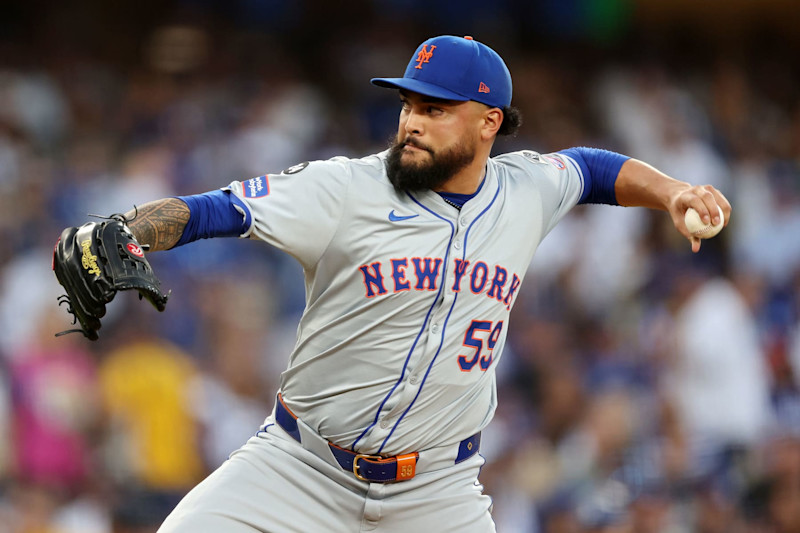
(294,169)
(256,187)
(548,159)
(533,156)
(525,155)
(556,162)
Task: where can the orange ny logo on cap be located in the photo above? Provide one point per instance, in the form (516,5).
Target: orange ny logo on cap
(424,55)
(483,88)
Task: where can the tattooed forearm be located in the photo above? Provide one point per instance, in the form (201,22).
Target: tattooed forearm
(160,223)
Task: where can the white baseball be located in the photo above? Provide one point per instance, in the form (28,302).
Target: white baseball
(700,229)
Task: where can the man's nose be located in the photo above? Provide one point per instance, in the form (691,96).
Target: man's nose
(414,123)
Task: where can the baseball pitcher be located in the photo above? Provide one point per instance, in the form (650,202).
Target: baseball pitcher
(413,259)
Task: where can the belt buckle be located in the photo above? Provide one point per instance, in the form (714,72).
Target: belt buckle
(363,456)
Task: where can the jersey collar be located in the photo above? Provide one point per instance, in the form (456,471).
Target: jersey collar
(432,200)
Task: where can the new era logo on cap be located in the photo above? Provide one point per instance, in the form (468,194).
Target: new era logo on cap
(455,68)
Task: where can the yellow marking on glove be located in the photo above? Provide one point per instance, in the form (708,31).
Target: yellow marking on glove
(88,260)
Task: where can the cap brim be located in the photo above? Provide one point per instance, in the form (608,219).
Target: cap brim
(417,86)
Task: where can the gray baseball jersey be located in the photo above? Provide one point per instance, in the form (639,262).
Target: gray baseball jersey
(407,298)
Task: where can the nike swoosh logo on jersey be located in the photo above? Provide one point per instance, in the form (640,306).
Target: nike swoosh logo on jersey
(397,218)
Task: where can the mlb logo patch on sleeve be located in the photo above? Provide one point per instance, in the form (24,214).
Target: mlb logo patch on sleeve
(556,162)
(255,187)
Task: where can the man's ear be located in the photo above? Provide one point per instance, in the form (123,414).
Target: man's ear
(492,120)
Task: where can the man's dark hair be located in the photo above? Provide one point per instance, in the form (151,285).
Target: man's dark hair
(512,120)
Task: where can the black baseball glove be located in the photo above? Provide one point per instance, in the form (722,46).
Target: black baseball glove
(95,261)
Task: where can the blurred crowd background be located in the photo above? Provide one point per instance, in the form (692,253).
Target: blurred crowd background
(644,389)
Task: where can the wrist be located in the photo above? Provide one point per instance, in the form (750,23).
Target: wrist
(642,185)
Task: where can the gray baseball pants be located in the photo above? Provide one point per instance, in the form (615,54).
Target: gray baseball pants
(275,484)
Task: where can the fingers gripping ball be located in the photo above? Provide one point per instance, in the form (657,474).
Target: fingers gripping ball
(700,229)
(96,261)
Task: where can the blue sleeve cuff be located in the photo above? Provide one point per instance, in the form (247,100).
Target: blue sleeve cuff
(600,169)
(214,214)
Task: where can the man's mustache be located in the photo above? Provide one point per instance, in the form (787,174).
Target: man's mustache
(416,144)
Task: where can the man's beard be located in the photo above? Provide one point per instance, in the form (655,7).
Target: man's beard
(420,176)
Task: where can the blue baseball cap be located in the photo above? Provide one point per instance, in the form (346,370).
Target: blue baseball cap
(455,68)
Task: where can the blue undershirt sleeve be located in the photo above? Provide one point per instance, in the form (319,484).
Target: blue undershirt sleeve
(214,214)
(600,169)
